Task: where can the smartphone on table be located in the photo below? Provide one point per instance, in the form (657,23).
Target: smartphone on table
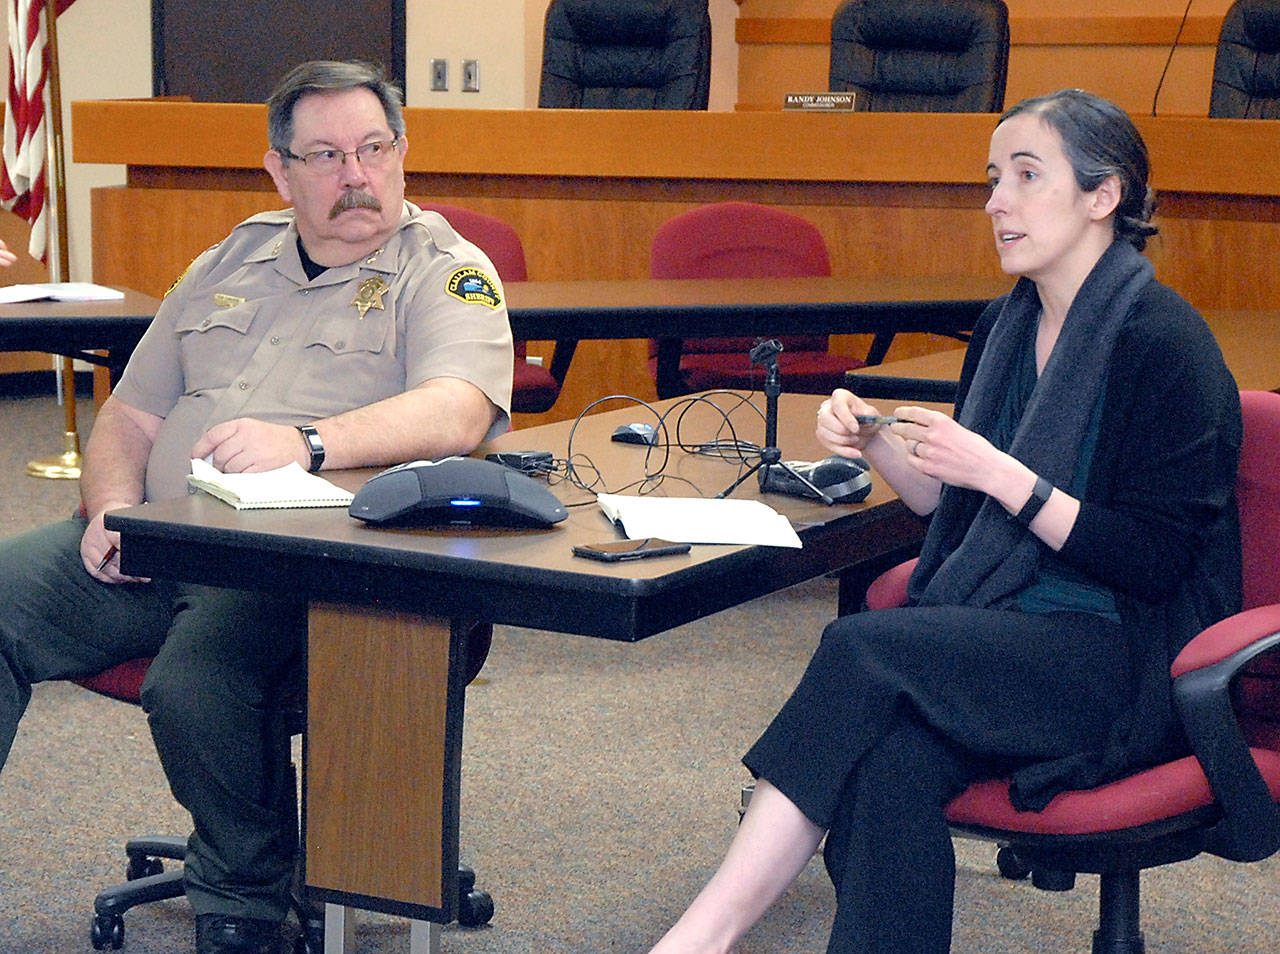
(615,551)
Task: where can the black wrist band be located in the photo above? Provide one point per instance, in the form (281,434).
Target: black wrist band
(1040,494)
(315,447)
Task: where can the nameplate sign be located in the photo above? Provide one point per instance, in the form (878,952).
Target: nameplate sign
(821,102)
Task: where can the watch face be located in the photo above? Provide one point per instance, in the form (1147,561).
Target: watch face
(314,445)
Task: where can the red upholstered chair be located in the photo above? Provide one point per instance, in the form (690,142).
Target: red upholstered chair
(1221,800)
(741,240)
(534,389)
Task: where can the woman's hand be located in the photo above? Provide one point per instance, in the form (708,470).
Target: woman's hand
(838,427)
(940,448)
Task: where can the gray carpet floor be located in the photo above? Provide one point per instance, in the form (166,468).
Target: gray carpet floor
(600,785)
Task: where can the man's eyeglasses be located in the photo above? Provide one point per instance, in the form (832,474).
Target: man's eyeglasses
(372,155)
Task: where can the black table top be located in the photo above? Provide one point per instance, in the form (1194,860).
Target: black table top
(524,577)
(655,308)
(72,328)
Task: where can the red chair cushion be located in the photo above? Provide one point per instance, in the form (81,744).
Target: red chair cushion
(123,681)
(889,589)
(533,389)
(1162,792)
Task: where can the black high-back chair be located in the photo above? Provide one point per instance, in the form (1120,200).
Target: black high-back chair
(1246,67)
(626,54)
(927,56)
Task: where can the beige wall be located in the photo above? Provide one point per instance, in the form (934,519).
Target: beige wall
(105,53)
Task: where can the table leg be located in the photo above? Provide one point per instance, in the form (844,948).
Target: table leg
(339,929)
(382,760)
(424,937)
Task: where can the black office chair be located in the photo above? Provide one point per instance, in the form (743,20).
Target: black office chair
(928,56)
(626,54)
(1246,67)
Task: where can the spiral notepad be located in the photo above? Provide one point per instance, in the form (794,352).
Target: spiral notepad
(282,488)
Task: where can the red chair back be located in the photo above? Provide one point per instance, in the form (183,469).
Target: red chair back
(740,240)
(534,389)
(1258,497)
(495,238)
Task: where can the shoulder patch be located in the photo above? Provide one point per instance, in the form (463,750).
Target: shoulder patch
(474,287)
(178,281)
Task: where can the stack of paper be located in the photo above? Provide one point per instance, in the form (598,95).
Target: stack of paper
(699,520)
(288,486)
(59,291)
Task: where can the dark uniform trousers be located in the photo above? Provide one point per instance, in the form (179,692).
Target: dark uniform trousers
(212,696)
(897,712)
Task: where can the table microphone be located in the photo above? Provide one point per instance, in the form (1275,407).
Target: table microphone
(843,479)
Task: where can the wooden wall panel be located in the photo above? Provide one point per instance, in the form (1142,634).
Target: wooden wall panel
(587,206)
(1116,49)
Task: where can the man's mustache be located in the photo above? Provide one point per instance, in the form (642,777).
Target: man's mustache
(354,199)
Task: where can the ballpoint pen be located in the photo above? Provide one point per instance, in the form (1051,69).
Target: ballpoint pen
(875,419)
(106,557)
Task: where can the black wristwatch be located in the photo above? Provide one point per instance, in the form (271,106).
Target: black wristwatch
(314,445)
(1039,497)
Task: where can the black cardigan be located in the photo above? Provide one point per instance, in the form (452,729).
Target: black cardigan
(1157,522)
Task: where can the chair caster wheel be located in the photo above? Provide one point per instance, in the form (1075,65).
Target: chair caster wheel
(107,931)
(1010,865)
(474,909)
(142,867)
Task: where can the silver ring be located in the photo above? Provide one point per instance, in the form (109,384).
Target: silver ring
(915,449)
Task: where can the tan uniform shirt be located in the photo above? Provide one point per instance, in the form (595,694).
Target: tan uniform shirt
(244,333)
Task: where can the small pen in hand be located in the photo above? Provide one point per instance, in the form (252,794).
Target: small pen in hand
(875,419)
(106,558)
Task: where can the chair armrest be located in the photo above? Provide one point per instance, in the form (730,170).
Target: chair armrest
(1203,673)
(1228,637)
(889,589)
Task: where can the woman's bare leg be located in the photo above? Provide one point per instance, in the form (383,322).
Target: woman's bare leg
(773,844)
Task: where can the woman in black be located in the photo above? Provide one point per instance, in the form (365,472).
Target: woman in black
(1082,530)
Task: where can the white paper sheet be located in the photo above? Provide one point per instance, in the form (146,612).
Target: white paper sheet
(59,291)
(699,520)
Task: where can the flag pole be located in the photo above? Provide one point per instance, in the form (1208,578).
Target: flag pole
(66,465)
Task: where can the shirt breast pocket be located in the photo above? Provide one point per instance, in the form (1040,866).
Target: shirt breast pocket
(348,362)
(215,344)
(346,336)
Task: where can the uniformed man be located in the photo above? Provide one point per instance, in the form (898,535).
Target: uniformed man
(350,330)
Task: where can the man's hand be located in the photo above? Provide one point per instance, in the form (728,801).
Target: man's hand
(100,548)
(246,445)
(7,257)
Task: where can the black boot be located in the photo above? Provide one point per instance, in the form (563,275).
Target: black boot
(226,934)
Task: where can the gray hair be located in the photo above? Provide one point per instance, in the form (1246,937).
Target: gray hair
(329,76)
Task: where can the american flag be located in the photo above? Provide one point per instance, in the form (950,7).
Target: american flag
(23,173)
